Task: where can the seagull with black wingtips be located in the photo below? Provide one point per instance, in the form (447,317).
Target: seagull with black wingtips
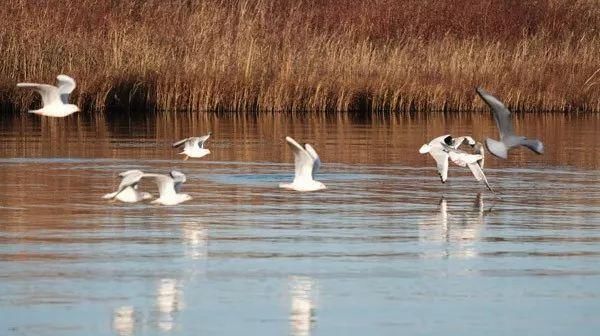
(508,139)
(435,148)
(194,146)
(128,188)
(169,187)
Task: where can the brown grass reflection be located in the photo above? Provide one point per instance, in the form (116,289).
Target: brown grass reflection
(337,137)
(47,162)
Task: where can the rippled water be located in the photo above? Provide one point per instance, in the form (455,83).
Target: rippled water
(386,249)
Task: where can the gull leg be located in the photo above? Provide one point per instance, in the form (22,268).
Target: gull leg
(186,158)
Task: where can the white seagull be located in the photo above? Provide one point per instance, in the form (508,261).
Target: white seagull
(306,163)
(128,189)
(193,146)
(435,148)
(55,99)
(169,187)
(473,161)
(508,139)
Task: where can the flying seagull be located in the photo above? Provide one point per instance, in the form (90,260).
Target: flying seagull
(306,164)
(508,139)
(55,99)
(169,187)
(435,148)
(128,189)
(473,161)
(193,146)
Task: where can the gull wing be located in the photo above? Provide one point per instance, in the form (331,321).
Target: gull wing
(441,159)
(500,112)
(533,144)
(478,149)
(303,161)
(461,139)
(165,184)
(49,93)
(316,158)
(479,175)
(462,158)
(424,149)
(66,85)
(178,179)
(437,142)
(130,178)
(181,142)
(201,140)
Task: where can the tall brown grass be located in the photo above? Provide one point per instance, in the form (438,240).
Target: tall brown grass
(305,55)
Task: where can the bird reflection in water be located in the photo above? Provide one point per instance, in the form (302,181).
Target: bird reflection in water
(195,239)
(302,305)
(458,232)
(169,301)
(124,320)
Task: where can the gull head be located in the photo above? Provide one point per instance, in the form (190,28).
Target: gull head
(177,176)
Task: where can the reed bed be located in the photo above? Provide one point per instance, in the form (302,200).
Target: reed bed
(302,55)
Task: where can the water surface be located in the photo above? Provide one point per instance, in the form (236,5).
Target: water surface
(386,249)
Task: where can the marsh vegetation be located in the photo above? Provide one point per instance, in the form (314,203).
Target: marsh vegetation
(282,55)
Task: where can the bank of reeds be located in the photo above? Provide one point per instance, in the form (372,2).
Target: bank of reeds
(303,55)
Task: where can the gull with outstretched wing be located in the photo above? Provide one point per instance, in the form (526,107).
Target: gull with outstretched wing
(508,139)
(55,99)
(435,148)
(193,146)
(169,187)
(306,164)
(128,188)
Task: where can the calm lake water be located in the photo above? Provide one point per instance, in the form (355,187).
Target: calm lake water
(385,250)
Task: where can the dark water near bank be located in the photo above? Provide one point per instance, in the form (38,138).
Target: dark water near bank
(385,250)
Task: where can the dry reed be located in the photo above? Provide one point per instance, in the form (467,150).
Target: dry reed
(301,55)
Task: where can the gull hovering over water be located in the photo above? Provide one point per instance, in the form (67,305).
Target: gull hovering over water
(55,99)
(508,139)
(128,188)
(169,187)
(435,148)
(306,164)
(193,146)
